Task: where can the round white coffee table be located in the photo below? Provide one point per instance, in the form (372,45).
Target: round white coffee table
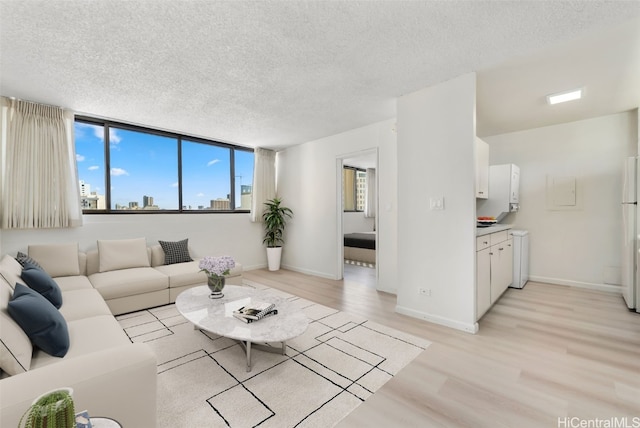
(216,316)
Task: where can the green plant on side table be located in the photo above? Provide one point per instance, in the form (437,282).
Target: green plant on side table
(51,410)
(275,218)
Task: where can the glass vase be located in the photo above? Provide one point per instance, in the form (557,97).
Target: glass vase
(215,284)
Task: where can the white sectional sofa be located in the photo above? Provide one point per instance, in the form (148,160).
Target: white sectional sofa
(110,375)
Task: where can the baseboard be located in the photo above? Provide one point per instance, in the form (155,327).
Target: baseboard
(447,322)
(309,272)
(591,286)
(254,267)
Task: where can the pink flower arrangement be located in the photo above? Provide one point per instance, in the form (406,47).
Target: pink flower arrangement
(217,266)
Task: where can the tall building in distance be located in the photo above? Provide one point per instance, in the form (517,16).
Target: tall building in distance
(85,188)
(245,196)
(220,204)
(147,201)
(133,205)
(361,190)
(90,200)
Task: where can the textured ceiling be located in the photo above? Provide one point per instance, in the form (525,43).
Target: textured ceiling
(273,74)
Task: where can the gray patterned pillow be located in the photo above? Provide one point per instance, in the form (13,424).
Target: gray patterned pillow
(176,252)
(23,259)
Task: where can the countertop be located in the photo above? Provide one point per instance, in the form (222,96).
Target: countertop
(480,231)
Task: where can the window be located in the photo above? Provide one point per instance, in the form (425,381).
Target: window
(123,168)
(206,181)
(354,185)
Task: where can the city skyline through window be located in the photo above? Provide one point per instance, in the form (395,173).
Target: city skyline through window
(144,171)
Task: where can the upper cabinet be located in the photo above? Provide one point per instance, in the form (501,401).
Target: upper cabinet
(482,169)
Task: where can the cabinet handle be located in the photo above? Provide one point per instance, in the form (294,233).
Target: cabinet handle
(500,249)
(485,242)
(491,254)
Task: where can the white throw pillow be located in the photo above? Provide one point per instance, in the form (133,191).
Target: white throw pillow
(15,346)
(123,254)
(57,259)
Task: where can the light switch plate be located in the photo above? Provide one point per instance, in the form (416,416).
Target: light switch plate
(436,204)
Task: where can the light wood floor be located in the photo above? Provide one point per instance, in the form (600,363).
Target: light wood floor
(544,352)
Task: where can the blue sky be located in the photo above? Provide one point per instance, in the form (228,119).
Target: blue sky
(146,164)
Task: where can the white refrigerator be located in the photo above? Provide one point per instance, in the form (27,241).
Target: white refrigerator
(630,277)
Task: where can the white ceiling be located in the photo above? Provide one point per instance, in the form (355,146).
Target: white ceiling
(273,74)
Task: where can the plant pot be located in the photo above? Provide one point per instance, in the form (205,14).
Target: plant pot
(274,254)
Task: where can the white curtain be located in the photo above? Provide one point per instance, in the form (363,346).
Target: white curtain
(38,180)
(264,181)
(370,196)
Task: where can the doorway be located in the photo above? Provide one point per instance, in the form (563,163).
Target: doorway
(357,217)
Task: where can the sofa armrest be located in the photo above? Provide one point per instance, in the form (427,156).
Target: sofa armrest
(119,383)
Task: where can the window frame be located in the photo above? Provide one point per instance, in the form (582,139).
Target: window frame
(107,124)
(355,187)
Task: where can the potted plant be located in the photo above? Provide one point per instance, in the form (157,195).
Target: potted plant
(54,409)
(275,218)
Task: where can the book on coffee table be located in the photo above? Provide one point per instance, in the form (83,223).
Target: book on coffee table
(254,310)
(250,320)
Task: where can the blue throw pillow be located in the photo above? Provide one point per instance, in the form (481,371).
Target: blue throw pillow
(42,282)
(43,324)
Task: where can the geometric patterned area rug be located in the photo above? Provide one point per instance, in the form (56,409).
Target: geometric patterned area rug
(327,372)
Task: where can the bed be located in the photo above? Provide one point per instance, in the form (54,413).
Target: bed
(360,247)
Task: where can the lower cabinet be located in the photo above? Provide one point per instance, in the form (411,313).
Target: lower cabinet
(494,269)
(483,281)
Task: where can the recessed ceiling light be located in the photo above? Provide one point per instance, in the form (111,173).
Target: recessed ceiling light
(562,97)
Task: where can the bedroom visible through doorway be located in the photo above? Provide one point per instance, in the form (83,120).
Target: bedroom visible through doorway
(357,217)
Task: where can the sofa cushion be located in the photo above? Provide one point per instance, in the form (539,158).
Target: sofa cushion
(15,346)
(189,273)
(128,282)
(87,335)
(39,280)
(22,258)
(118,254)
(40,320)
(69,283)
(183,274)
(57,259)
(10,270)
(80,304)
(176,252)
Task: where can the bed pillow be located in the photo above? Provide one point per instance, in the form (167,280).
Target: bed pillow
(122,254)
(57,259)
(43,324)
(39,280)
(176,252)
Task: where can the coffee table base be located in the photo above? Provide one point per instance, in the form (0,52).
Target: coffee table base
(247,346)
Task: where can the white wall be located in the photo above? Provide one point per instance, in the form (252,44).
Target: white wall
(357,222)
(436,249)
(209,234)
(573,246)
(308,180)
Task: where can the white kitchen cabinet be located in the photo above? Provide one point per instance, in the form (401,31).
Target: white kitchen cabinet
(494,268)
(482,169)
(483,281)
(501,268)
(504,185)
